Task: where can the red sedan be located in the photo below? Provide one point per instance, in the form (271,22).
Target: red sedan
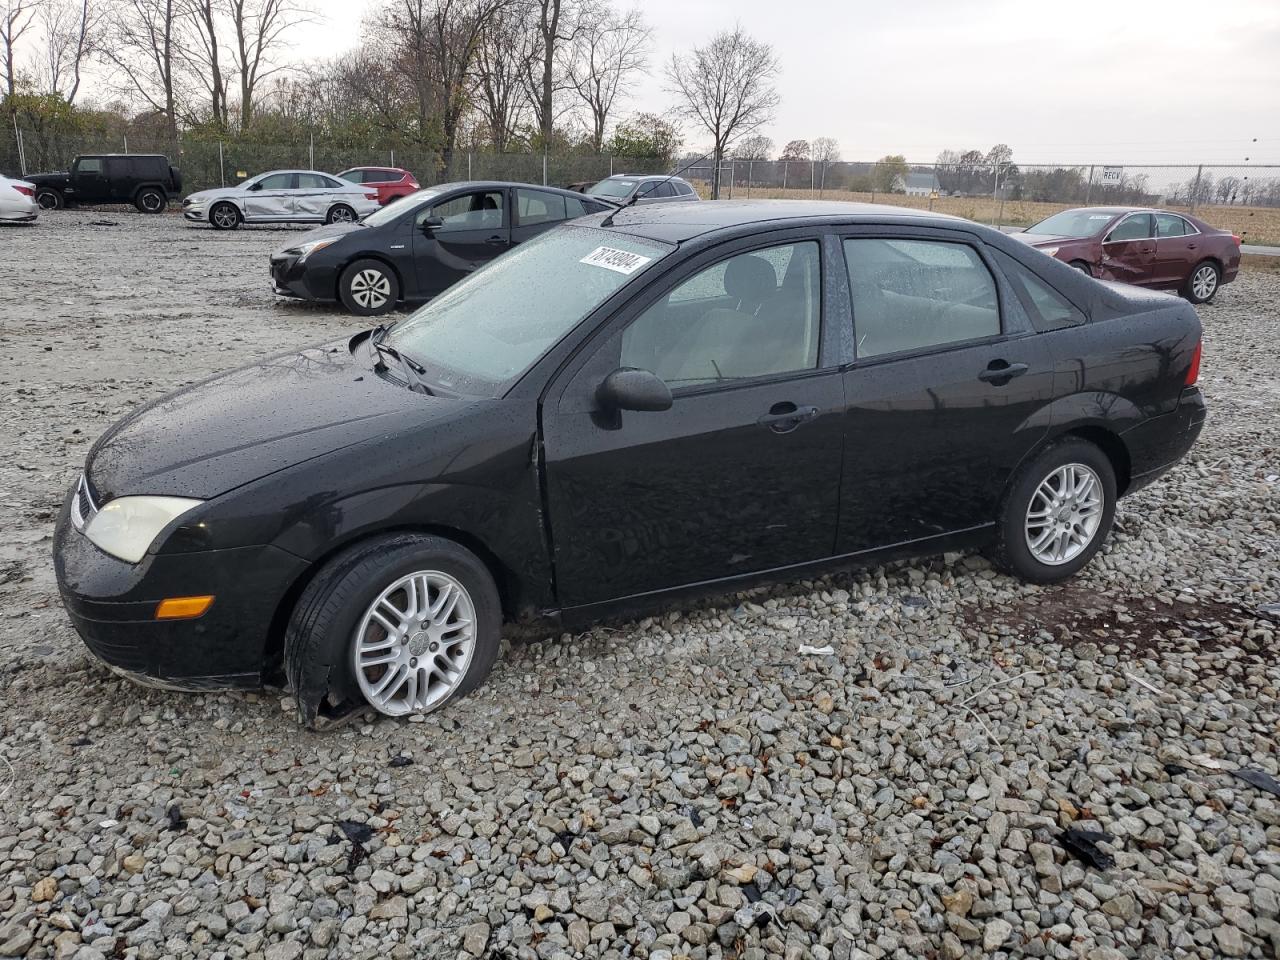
(392,183)
(1150,248)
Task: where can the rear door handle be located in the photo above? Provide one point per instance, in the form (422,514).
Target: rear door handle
(1000,372)
(786,416)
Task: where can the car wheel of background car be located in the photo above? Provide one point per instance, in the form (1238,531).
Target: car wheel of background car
(1057,512)
(405,622)
(151,200)
(224,216)
(1203,282)
(368,287)
(1082,267)
(49,199)
(340,213)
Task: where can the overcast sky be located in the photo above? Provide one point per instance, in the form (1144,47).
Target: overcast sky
(1143,81)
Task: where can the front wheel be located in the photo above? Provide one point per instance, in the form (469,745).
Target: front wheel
(368,288)
(1203,282)
(49,199)
(151,200)
(224,216)
(340,213)
(1082,267)
(1057,513)
(405,623)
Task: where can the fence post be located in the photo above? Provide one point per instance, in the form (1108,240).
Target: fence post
(995,195)
(393,156)
(822,183)
(311,152)
(611,164)
(222,165)
(1195,192)
(750,166)
(785,164)
(1088,190)
(811,180)
(468,164)
(544,167)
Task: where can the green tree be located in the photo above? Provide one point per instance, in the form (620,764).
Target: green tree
(645,135)
(889,173)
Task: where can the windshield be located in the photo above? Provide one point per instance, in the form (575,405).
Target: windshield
(483,333)
(398,207)
(612,188)
(1075,223)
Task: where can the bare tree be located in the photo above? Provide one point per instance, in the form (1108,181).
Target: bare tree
(797,150)
(260,28)
(72,30)
(458,28)
(826,150)
(755,147)
(501,102)
(553,28)
(18,17)
(611,49)
(727,87)
(143,47)
(202,52)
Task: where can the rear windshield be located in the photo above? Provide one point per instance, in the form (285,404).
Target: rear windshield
(612,188)
(1075,223)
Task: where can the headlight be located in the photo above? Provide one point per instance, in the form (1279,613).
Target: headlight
(307,249)
(1050,251)
(127,526)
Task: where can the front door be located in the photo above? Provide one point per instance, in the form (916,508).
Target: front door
(944,399)
(741,474)
(89,180)
(1129,250)
(271,198)
(475,227)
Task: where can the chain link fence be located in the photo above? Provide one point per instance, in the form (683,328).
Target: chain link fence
(1243,199)
(206,164)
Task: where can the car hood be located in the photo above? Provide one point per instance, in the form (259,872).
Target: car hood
(47,178)
(322,233)
(1046,240)
(218,193)
(232,429)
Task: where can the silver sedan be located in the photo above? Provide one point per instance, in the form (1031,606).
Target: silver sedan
(281,196)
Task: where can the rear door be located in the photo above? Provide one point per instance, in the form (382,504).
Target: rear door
(475,228)
(1177,250)
(946,393)
(271,198)
(1129,250)
(537,211)
(312,195)
(742,474)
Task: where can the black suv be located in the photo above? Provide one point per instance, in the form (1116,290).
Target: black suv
(145,180)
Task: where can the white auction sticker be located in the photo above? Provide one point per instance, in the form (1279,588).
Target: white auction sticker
(617,260)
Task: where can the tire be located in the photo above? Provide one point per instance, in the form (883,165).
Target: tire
(225,216)
(335,615)
(341,213)
(1016,531)
(151,200)
(49,199)
(1202,282)
(1082,267)
(368,288)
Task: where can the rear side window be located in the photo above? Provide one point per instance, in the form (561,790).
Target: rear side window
(573,207)
(916,294)
(1049,310)
(1170,225)
(535,206)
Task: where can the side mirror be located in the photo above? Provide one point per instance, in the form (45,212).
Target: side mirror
(256,186)
(630,389)
(432,223)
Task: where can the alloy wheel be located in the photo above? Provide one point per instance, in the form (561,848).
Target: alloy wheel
(1204,281)
(225,216)
(371,289)
(1064,514)
(414,644)
(342,215)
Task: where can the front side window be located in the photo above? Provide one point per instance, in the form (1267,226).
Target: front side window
(1136,227)
(471,211)
(1170,225)
(89,165)
(754,315)
(481,334)
(1049,309)
(277,181)
(537,206)
(915,294)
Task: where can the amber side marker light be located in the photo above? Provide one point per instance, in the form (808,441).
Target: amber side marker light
(182,608)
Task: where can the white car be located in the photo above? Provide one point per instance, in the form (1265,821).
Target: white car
(17,201)
(282,196)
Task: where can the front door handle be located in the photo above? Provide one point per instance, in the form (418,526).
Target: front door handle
(1000,372)
(497,241)
(786,416)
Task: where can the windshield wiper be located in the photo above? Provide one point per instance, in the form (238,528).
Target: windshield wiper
(414,371)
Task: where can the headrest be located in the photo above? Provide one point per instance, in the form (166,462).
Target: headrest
(750,278)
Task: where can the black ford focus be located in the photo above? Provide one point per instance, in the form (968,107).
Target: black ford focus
(670,399)
(420,245)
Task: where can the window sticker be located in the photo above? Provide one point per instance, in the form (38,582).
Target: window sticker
(619,261)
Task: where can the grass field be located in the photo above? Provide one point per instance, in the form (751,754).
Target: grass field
(1259,225)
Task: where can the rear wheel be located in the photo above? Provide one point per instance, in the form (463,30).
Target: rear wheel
(224,216)
(405,623)
(368,287)
(1057,513)
(49,199)
(151,200)
(1202,283)
(340,213)
(1082,267)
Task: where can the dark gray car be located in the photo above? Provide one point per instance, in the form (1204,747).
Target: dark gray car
(647,189)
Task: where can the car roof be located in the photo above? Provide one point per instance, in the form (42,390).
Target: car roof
(146,156)
(499,184)
(677,222)
(366,167)
(643,176)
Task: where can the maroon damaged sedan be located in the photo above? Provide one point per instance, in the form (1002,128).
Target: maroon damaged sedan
(1150,248)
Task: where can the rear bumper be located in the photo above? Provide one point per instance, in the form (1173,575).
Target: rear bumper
(112,605)
(1157,444)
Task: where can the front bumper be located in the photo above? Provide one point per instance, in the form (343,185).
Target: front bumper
(112,605)
(301,280)
(1156,445)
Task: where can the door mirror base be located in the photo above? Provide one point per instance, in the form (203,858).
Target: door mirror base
(432,224)
(629,388)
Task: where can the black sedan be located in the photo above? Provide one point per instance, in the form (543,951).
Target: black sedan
(665,399)
(421,244)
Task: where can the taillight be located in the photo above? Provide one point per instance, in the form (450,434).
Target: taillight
(1236,239)
(1193,371)
(26,191)
(371,194)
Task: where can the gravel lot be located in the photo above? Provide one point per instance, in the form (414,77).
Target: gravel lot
(692,785)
